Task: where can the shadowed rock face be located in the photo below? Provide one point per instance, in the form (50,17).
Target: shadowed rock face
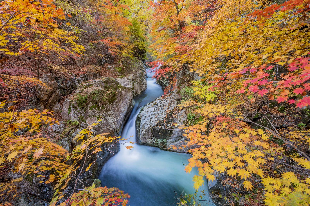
(158,122)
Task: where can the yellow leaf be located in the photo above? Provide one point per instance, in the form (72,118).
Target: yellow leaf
(18,179)
(51,179)
(27,149)
(243,173)
(289,177)
(210,177)
(260,131)
(247,185)
(12,156)
(281,63)
(198,181)
(232,172)
(264,137)
(260,172)
(188,169)
(89,166)
(2,104)
(21,166)
(129,147)
(303,162)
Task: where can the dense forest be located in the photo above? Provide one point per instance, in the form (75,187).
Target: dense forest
(238,69)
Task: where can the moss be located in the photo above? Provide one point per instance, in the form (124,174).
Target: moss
(73,123)
(187,93)
(301,126)
(119,70)
(81,101)
(82,119)
(69,109)
(70,126)
(193,119)
(98,99)
(282,108)
(87,86)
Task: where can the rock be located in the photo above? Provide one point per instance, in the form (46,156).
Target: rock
(211,183)
(107,99)
(219,193)
(136,81)
(155,124)
(102,99)
(151,115)
(58,86)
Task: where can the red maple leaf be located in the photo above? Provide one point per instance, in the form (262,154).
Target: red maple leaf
(263,82)
(254,88)
(282,99)
(291,101)
(253,70)
(263,92)
(307,86)
(303,102)
(298,91)
(293,68)
(240,91)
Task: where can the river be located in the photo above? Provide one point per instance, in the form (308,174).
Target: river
(152,177)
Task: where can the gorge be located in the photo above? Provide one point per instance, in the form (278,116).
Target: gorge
(149,175)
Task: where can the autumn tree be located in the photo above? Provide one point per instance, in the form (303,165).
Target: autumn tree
(32,29)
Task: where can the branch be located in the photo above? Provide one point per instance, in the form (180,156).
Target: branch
(7,21)
(81,170)
(276,134)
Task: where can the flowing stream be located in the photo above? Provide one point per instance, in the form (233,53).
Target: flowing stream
(152,177)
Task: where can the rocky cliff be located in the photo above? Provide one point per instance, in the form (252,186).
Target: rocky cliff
(80,102)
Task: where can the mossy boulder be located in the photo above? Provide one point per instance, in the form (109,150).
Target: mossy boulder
(97,95)
(102,99)
(107,99)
